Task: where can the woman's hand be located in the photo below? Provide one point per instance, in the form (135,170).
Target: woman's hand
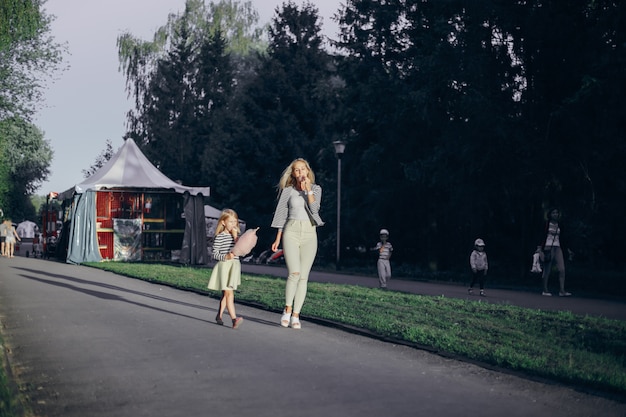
(305,183)
(276,243)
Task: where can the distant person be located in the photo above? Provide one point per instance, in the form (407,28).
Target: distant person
(226,274)
(3,236)
(479,266)
(10,238)
(296,219)
(551,247)
(383,265)
(37,246)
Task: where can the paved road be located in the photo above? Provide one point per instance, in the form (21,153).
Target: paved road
(85,342)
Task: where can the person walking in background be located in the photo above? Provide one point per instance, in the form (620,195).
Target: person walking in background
(296,218)
(3,237)
(479,265)
(226,275)
(10,238)
(384,249)
(551,248)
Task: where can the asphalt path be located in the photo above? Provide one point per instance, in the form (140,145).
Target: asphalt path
(84,342)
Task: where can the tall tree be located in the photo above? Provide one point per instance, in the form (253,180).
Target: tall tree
(28,55)
(287,111)
(472,107)
(183,78)
(27,156)
(234,20)
(19,20)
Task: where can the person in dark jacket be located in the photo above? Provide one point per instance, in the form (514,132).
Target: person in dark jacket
(551,247)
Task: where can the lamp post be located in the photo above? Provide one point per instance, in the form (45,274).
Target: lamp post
(340,147)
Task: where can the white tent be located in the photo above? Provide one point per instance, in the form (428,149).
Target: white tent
(26,229)
(129,171)
(129,168)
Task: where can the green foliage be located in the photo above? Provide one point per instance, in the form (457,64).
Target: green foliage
(564,347)
(183,82)
(26,156)
(102,158)
(27,57)
(287,110)
(10,405)
(470,108)
(461,120)
(19,20)
(4,173)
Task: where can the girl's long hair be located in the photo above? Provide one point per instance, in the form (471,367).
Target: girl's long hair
(226,214)
(287,180)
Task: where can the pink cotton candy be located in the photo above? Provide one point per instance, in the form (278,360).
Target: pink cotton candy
(246,242)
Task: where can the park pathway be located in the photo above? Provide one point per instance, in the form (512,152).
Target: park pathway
(84,342)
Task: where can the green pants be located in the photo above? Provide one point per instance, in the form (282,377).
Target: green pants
(300,248)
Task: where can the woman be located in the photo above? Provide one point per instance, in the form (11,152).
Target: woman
(552,251)
(10,238)
(296,218)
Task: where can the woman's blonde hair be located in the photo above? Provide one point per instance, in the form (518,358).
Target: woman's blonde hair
(287,179)
(226,214)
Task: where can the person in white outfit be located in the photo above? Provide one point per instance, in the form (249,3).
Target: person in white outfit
(384,249)
(479,265)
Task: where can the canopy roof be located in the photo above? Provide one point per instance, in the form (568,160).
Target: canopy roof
(129,168)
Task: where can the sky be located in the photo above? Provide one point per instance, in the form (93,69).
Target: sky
(86,105)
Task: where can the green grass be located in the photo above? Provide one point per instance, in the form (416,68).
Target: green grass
(9,400)
(583,351)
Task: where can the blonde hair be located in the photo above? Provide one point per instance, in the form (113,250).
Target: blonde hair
(226,214)
(287,179)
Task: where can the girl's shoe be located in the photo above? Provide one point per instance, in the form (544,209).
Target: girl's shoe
(219,321)
(284,319)
(295,323)
(237,322)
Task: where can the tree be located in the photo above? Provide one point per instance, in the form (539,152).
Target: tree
(19,20)
(484,112)
(233,20)
(183,79)
(102,158)
(27,156)
(286,111)
(28,54)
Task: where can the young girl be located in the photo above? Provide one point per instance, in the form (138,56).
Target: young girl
(226,275)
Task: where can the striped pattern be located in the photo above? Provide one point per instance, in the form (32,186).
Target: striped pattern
(384,250)
(282,208)
(222,246)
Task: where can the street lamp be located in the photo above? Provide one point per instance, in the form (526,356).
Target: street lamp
(340,146)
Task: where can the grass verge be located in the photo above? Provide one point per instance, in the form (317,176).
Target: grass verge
(9,399)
